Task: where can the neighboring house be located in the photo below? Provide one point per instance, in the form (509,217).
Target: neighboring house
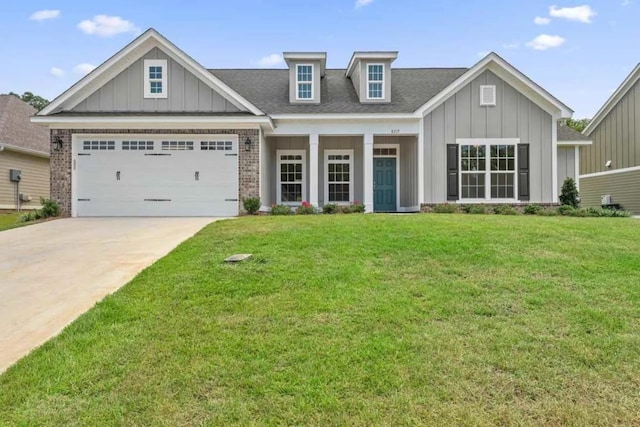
(152,132)
(24,147)
(611,166)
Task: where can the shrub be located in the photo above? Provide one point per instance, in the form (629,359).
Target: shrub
(504,210)
(606,213)
(28,217)
(445,208)
(569,193)
(532,209)
(355,207)
(306,208)
(474,209)
(50,208)
(251,205)
(566,210)
(330,208)
(281,210)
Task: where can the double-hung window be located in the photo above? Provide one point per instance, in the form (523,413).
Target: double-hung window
(488,171)
(155,78)
(339,176)
(304,82)
(291,176)
(375,81)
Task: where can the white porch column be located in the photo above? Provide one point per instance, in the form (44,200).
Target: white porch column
(368,172)
(421,163)
(314,141)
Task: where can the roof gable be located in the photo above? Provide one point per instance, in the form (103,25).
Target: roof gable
(509,74)
(149,40)
(16,130)
(622,90)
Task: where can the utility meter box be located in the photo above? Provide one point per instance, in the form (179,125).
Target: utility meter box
(15,175)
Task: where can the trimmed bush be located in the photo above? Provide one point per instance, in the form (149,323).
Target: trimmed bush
(566,210)
(547,212)
(50,208)
(445,208)
(474,209)
(569,193)
(606,213)
(532,209)
(355,207)
(330,208)
(251,205)
(306,208)
(281,210)
(504,210)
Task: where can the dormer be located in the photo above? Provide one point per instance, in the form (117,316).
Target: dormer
(305,71)
(370,73)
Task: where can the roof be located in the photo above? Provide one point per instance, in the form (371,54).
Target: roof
(16,129)
(269,90)
(622,90)
(567,133)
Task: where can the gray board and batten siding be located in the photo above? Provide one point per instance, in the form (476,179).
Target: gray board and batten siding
(186,92)
(616,138)
(566,165)
(514,116)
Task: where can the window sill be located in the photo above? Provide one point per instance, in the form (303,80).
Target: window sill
(490,201)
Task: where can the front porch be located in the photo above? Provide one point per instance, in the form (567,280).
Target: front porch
(380,171)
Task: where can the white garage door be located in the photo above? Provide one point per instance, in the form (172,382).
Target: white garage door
(159,176)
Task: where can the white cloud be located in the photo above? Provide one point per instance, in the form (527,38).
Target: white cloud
(362,3)
(269,61)
(545,41)
(538,20)
(56,72)
(511,45)
(84,68)
(626,2)
(43,15)
(582,13)
(107,26)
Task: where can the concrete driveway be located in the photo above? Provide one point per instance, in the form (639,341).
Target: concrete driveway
(50,273)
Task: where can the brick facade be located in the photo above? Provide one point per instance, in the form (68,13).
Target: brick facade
(61,161)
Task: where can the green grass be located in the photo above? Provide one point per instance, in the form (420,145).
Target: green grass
(357,320)
(11,220)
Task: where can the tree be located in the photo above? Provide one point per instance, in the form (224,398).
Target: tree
(578,124)
(569,193)
(35,101)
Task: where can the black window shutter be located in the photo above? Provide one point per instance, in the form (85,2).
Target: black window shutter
(523,172)
(452,172)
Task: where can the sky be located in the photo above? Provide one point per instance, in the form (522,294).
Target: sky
(580,51)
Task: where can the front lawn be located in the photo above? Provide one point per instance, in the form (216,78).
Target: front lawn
(10,220)
(357,320)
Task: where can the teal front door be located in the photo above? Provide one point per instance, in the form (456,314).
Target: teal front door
(384,184)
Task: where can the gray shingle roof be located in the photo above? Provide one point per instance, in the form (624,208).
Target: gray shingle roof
(269,90)
(566,133)
(16,128)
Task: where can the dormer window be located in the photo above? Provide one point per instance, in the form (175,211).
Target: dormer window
(155,78)
(304,82)
(375,81)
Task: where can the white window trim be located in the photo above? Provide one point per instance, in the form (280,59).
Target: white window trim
(298,83)
(390,156)
(495,96)
(376,81)
(279,154)
(147,81)
(488,142)
(328,153)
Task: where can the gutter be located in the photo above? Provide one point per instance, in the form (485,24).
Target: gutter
(24,151)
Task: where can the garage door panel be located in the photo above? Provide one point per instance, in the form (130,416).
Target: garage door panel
(156,182)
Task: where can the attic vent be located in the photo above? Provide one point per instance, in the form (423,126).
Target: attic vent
(487,96)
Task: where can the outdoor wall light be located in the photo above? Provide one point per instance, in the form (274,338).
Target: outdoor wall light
(608,164)
(57,144)
(247,144)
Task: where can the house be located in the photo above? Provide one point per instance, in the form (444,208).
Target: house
(610,168)
(24,153)
(153,132)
